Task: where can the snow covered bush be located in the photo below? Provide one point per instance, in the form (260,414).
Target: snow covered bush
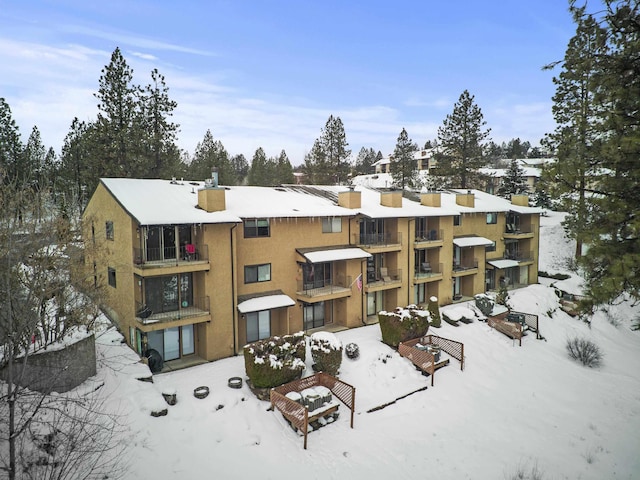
(484,303)
(403,324)
(326,351)
(584,351)
(276,360)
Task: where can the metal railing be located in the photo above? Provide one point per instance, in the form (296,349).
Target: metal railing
(465,264)
(378,239)
(513,229)
(427,269)
(185,309)
(429,235)
(142,256)
(518,255)
(327,287)
(385,275)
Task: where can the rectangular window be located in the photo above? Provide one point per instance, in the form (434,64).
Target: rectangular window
(256,227)
(313,315)
(332,225)
(111,274)
(257,273)
(258,325)
(491,248)
(109,229)
(457,220)
(492,217)
(419,293)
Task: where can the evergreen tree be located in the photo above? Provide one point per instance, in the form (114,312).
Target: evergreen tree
(576,140)
(211,153)
(11,156)
(118,137)
(364,161)
(611,224)
(328,161)
(284,170)
(160,134)
(76,175)
(513,183)
(240,167)
(403,166)
(461,141)
(259,173)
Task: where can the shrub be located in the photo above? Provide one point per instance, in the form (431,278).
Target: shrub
(555,276)
(584,351)
(484,304)
(403,324)
(275,360)
(326,351)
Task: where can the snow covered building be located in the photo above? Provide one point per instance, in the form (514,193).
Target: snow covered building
(195,270)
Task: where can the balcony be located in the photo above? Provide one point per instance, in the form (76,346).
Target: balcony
(168,313)
(519,231)
(327,290)
(429,238)
(384,278)
(465,267)
(427,272)
(520,256)
(145,258)
(381,242)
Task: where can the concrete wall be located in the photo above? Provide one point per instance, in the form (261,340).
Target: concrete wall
(57,370)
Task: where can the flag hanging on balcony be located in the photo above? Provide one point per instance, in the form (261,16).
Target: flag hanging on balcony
(359,282)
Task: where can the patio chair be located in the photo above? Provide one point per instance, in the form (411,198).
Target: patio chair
(384,273)
(426,267)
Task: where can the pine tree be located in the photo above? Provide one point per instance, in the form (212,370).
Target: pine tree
(284,170)
(403,166)
(576,140)
(328,161)
(364,161)
(259,173)
(118,132)
(211,153)
(160,134)
(76,173)
(11,156)
(240,167)
(461,142)
(513,183)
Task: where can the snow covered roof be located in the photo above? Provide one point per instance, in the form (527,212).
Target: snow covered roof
(472,241)
(332,255)
(503,263)
(266,302)
(484,202)
(502,172)
(154,202)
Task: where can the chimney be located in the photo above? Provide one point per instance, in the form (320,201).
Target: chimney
(211,198)
(466,199)
(391,199)
(350,198)
(430,199)
(520,200)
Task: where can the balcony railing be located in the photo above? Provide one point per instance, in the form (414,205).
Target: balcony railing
(465,264)
(385,276)
(328,287)
(142,256)
(513,229)
(428,269)
(165,313)
(378,239)
(429,235)
(519,256)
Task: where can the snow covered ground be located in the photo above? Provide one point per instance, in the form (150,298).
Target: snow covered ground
(512,411)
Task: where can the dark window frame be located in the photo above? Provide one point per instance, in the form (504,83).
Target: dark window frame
(109,229)
(111,277)
(249,276)
(256,227)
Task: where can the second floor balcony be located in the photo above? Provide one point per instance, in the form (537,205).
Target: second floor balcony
(155,257)
(372,240)
(169,310)
(427,271)
(465,266)
(519,255)
(325,288)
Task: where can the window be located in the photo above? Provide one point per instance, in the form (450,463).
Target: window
(492,217)
(109,229)
(331,225)
(256,227)
(258,325)
(420,293)
(93,233)
(457,220)
(491,248)
(111,274)
(313,315)
(257,273)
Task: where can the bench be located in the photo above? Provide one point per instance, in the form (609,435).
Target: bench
(508,328)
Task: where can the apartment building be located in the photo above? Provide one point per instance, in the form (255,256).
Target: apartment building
(197,270)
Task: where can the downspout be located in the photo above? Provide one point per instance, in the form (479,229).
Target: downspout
(234,313)
(362,296)
(409,261)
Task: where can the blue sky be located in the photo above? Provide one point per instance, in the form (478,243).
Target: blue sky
(269,73)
